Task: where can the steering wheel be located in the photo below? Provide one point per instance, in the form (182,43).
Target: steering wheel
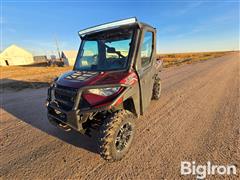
(119,61)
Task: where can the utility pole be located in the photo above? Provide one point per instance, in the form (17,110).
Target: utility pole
(58,51)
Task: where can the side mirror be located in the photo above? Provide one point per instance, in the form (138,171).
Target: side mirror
(111,50)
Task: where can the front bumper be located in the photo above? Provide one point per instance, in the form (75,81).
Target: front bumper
(58,115)
(75,116)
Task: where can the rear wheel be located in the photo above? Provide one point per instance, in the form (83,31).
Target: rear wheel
(116,135)
(156,89)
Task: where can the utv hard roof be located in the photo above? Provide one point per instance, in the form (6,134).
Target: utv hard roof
(112,25)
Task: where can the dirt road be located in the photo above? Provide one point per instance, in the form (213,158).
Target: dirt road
(196,119)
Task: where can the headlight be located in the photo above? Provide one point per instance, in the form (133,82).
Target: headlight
(104,91)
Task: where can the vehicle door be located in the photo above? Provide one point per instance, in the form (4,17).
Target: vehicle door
(145,67)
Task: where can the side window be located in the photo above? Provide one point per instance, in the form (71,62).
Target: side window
(146,49)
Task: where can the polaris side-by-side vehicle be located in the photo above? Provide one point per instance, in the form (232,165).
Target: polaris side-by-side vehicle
(115,76)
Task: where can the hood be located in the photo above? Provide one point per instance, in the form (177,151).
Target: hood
(78,79)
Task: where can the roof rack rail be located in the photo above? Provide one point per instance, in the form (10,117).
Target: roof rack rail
(110,25)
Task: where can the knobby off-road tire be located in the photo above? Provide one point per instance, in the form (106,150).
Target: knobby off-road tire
(156,89)
(112,131)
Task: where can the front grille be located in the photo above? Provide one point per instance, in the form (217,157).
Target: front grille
(65,96)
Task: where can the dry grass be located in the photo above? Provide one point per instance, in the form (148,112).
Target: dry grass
(21,77)
(188,58)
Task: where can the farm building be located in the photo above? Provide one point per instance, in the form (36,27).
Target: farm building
(69,57)
(14,55)
(40,59)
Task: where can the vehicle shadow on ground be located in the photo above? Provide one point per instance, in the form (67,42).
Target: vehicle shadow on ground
(28,105)
(17,85)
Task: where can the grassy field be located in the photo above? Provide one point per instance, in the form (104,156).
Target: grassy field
(188,58)
(21,77)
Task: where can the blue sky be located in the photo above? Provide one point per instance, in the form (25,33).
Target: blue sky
(183,26)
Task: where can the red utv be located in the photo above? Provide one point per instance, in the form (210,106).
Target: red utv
(115,76)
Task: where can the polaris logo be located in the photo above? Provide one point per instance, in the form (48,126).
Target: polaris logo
(201,171)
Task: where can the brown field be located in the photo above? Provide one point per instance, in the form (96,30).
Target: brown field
(21,77)
(188,58)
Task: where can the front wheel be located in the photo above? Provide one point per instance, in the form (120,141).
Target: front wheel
(116,135)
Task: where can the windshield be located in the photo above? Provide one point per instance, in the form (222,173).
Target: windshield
(105,51)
